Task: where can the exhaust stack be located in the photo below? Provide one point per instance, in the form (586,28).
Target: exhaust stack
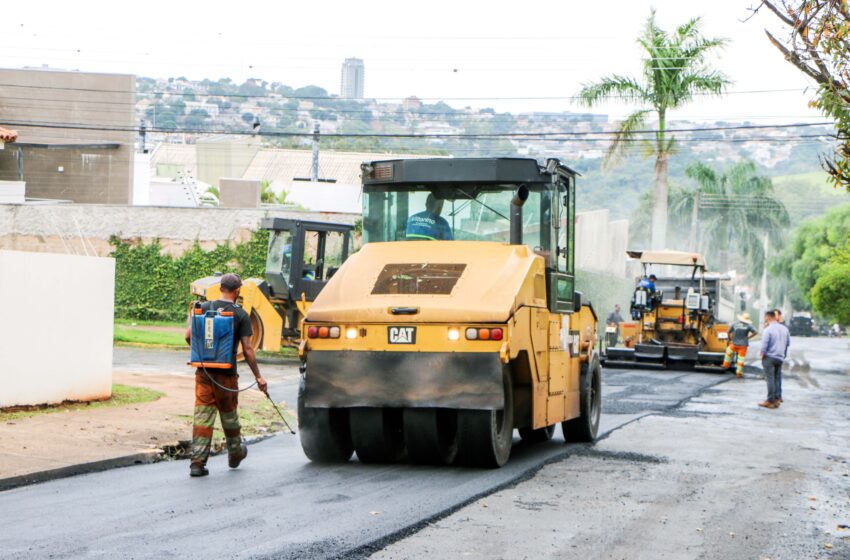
(520,196)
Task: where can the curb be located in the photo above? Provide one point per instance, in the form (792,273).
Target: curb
(142,458)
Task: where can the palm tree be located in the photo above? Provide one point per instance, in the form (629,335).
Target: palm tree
(674,70)
(267,195)
(736,210)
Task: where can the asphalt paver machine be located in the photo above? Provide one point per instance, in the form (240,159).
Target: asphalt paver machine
(676,325)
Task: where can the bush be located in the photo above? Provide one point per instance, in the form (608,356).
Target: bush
(831,293)
(152,286)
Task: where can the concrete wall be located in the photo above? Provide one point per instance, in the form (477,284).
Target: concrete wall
(99,101)
(12,192)
(141,179)
(164,192)
(86,228)
(224,157)
(239,193)
(601,244)
(57,332)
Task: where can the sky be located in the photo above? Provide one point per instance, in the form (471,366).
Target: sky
(512,56)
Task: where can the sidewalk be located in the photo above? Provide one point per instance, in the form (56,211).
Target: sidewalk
(133,433)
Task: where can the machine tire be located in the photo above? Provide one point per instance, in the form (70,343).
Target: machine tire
(485,437)
(257,328)
(256,334)
(586,426)
(530,435)
(324,432)
(431,435)
(377,434)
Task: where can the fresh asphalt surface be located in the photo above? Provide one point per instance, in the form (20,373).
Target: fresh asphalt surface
(278,504)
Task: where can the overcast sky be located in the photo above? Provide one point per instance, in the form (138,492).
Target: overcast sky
(462,52)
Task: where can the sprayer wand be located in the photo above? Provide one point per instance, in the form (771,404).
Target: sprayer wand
(279,413)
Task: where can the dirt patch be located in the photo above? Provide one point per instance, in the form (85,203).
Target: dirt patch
(56,440)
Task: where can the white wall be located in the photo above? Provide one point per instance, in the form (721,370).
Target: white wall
(56,330)
(165,192)
(142,179)
(600,243)
(322,197)
(12,192)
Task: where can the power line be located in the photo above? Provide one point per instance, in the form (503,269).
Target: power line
(606,134)
(308,97)
(387,115)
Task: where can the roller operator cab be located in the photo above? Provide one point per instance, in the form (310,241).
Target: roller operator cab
(456,322)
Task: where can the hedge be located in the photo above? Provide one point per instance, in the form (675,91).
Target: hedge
(152,286)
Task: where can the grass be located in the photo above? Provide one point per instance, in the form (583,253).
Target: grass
(122,395)
(138,323)
(285,352)
(134,333)
(136,336)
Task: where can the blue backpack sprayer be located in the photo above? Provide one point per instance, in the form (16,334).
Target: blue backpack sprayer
(213,347)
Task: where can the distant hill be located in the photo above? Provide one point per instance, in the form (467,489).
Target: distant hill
(807,195)
(580,139)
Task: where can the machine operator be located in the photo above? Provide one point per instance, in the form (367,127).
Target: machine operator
(648,283)
(429,225)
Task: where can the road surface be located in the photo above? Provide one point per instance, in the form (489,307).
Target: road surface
(278,504)
(718,478)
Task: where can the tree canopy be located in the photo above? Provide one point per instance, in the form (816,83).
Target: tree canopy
(736,208)
(817,245)
(674,71)
(817,42)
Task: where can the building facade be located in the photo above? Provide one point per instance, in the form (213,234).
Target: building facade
(353,77)
(76,134)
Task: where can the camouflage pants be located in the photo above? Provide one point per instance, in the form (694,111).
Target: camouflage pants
(210,399)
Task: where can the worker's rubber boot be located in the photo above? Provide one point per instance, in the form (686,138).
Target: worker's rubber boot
(197,469)
(234,460)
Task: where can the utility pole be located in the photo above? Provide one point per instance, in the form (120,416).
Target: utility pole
(314,168)
(143,129)
(763,287)
(694,221)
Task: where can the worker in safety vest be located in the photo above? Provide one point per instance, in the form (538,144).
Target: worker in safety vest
(217,390)
(429,224)
(740,333)
(648,283)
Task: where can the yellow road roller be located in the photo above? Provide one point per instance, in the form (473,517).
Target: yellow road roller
(456,323)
